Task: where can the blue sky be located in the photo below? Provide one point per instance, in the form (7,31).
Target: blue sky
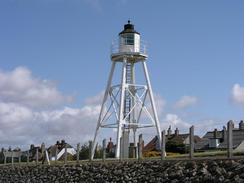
(195,48)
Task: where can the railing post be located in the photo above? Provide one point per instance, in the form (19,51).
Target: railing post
(230,125)
(65,154)
(104,149)
(140,148)
(90,150)
(78,154)
(163,153)
(191,142)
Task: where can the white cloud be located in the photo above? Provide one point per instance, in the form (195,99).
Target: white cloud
(200,127)
(95,100)
(23,125)
(186,101)
(237,94)
(20,86)
(33,111)
(12,114)
(174,121)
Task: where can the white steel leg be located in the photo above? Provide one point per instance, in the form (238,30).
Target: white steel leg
(102,107)
(152,102)
(121,114)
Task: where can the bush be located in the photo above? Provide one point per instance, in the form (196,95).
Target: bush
(84,152)
(177,147)
(149,154)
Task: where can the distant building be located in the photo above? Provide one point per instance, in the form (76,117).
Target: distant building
(59,150)
(217,139)
(110,147)
(33,152)
(173,137)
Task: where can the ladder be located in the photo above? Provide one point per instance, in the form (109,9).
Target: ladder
(127,102)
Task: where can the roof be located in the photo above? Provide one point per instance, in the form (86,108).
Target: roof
(152,145)
(60,146)
(203,143)
(238,137)
(210,135)
(129,28)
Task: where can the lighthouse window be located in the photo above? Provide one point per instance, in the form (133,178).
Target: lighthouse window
(129,39)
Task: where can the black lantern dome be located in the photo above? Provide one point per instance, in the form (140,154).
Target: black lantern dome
(129,28)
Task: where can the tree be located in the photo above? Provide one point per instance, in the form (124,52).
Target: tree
(84,152)
(175,146)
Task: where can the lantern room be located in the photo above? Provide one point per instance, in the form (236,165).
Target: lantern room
(129,39)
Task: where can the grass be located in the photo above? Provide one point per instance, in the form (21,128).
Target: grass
(151,156)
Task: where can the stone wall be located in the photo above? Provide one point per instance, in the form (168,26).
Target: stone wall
(144,171)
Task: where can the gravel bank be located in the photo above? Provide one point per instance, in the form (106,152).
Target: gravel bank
(145,171)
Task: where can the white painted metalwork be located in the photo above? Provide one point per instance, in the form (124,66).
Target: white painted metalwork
(127,106)
(117,47)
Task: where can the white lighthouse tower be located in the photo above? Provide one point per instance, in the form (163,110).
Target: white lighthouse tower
(127,106)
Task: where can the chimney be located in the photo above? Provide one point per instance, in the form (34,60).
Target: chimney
(63,142)
(176,132)
(169,131)
(224,134)
(241,125)
(215,132)
(32,146)
(233,124)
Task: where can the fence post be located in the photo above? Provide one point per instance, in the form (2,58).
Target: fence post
(56,153)
(104,149)
(19,157)
(28,157)
(12,158)
(140,142)
(37,155)
(90,150)
(163,153)
(191,142)
(230,125)
(65,154)
(78,154)
(121,149)
(43,149)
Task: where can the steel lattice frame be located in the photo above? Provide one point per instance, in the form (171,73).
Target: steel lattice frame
(113,105)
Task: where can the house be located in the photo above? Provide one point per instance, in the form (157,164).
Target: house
(110,146)
(212,139)
(110,149)
(217,139)
(13,154)
(33,152)
(176,137)
(59,149)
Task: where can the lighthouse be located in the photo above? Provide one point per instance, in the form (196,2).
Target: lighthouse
(127,106)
